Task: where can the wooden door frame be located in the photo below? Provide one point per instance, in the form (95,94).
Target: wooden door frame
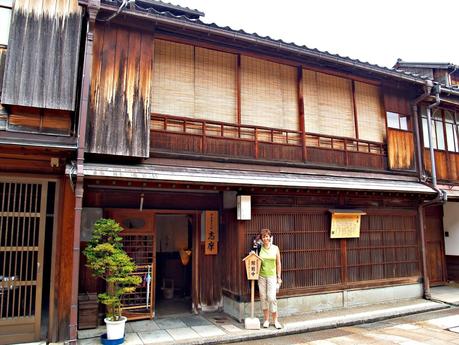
(444,272)
(57,214)
(196,241)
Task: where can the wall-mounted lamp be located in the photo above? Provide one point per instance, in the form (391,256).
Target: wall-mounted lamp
(244,207)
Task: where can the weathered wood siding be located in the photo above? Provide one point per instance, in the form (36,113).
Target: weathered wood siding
(2,65)
(119,114)
(42,55)
(400,149)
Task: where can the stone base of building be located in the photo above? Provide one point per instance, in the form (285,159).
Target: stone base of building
(289,306)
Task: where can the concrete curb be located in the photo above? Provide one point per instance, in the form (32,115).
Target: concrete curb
(323,323)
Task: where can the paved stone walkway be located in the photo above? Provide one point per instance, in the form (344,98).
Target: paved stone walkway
(214,328)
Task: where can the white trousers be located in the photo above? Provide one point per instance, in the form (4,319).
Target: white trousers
(267,288)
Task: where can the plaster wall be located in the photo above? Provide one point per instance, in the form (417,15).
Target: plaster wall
(451,226)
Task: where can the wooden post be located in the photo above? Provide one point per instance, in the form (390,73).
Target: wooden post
(252,298)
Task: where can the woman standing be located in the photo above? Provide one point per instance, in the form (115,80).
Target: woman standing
(270,278)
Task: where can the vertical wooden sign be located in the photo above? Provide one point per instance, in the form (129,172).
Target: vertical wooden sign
(211,226)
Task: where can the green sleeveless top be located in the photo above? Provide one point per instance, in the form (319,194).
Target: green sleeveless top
(268,265)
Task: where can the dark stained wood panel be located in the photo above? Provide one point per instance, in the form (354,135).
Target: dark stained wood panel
(119,112)
(42,55)
(173,134)
(400,149)
(230,267)
(396,101)
(435,247)
(452,267)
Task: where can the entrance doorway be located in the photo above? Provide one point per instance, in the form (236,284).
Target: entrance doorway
(161,244)
(26,232)
(435,247)
(174,243)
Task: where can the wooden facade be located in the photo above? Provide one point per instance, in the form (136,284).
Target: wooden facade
(42,61)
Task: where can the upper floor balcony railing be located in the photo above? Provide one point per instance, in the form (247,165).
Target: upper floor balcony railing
(212,138)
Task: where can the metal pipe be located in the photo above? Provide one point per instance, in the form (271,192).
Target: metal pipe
(429,131)
(441,195)
(417,137)
(92,10)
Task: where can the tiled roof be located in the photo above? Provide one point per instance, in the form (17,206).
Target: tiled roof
(184,14)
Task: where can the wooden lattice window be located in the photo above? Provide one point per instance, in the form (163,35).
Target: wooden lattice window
(328,107)
(268,94)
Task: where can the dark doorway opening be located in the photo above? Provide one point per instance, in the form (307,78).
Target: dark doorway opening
(174,235)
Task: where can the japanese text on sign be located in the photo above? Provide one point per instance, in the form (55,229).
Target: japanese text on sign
(211,226)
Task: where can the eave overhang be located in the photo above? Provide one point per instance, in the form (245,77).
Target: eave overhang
(252,178)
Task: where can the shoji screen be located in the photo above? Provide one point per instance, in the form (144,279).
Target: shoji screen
(370,115)
(215,86)
(173,79)
(268,94)
(328,107)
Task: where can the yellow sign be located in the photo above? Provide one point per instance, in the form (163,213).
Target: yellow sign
(211,226)
(345,225)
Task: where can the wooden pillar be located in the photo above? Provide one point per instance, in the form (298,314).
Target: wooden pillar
(301,112)
(64,256)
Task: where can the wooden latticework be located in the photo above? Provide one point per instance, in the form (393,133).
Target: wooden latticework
(22,234)
(173,79)
(205,137)
(370,114)
(140,303)
(215,85)
(387,248)
(268,94)
(309,257)
(311,261)
(328,107)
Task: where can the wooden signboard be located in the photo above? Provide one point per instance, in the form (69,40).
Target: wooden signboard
(211,231)
(345,223)
(252,266)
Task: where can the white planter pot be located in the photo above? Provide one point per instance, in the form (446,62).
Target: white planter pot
(115,329)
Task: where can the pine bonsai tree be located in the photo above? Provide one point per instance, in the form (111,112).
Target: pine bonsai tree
(107,260)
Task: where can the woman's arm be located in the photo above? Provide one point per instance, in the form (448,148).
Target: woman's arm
(278,265)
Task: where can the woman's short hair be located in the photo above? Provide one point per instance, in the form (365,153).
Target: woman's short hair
(265,232)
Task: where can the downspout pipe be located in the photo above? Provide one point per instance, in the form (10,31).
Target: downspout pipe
(441,195)
(92,11)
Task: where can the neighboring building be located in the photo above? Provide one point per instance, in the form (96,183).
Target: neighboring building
(164,122)
(445,145)
(39,61)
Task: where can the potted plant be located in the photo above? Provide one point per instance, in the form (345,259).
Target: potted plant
(107,260)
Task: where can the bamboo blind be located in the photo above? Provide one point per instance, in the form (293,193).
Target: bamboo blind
(328,107)
(370,115)
(215,85)
(173,79)
(268,94)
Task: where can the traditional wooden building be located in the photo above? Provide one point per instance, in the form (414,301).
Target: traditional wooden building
(39,68)
(171,126)
(442,221)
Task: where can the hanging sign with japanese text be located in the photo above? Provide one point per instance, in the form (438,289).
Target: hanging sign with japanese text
(211,231)
(345,223)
